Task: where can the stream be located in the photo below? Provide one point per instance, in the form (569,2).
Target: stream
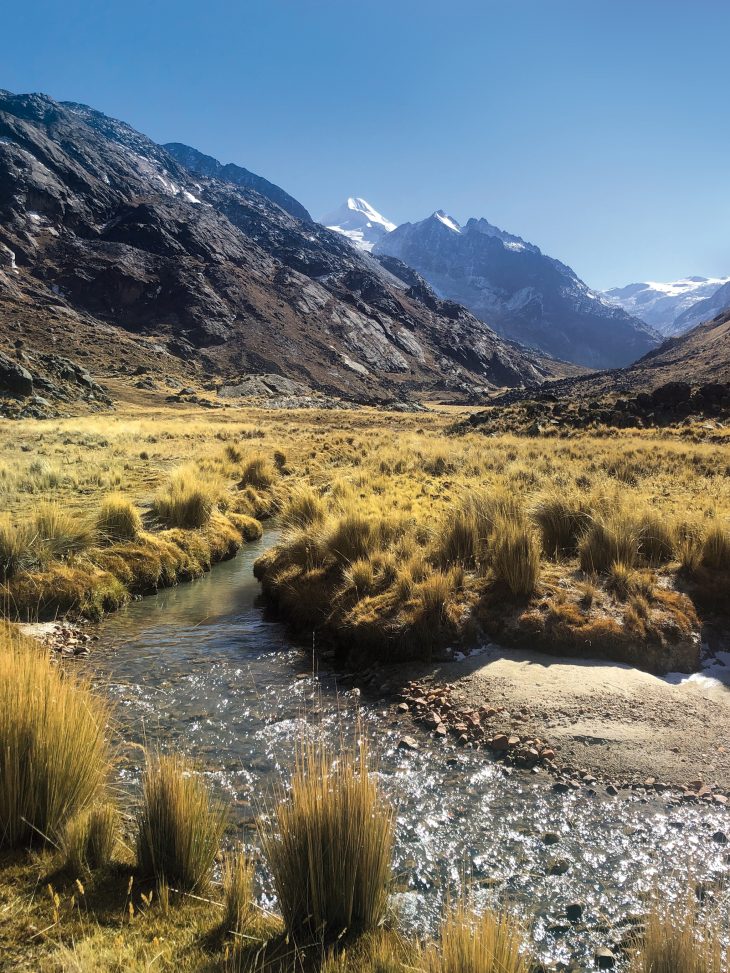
(201,669)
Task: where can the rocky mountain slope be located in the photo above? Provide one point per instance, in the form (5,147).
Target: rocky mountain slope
(686,378)
(205,165)
(113,252)
(357,220)
(524,294)
(671,308)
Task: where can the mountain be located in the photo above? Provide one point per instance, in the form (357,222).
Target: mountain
(205,165)
(359,222)
(668,307)
(522,293)
(713,305)
(114,253)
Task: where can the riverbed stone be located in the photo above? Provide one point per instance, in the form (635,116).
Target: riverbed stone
(408,743)
(605,958)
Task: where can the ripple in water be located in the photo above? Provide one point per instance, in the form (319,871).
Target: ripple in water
(199,669)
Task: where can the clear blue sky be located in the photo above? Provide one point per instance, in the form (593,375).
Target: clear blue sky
(597,129)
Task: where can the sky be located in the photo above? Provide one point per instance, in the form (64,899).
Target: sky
(597,130)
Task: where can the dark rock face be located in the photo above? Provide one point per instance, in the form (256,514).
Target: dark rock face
(524,294)
(115,248)
(206,165)
(14,378)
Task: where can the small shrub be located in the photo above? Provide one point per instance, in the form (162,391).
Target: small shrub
(330,846)
(611,537)
(515,555)
(179,826)
(89,839)
(118,519)
(238,875)
(54,758)
(188,501)
(490,943)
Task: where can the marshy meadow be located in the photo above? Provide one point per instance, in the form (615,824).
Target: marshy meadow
(396,538)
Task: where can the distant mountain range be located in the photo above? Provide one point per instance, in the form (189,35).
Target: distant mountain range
(142,260)
(675,307)
(523,294)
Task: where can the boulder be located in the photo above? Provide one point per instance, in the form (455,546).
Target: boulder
(14,378)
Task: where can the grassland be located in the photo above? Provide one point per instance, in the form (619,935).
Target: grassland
(399,537)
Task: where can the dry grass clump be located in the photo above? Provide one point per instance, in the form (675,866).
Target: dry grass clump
(303,508)
(188,501)
(658,538)
(330,846)
(471,943)
(54,759)
(562,519)
(350,537)
(238,876)
(17,547)
(716,547)
(622,580)
(462,537)
(179,825)
(612,537)
(515,555)
(258,472)
(58,533)
(89,839)
(675,940)
(118,519)
(688,545)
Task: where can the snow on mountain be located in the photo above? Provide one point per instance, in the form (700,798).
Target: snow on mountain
(668,306)
(522,293)
(361,223)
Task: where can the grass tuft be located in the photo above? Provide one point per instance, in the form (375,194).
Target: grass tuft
(469,943)
(330,846)
(179,826)
(611,537)
(188,501)
(118,519)
(238,875)
(54,758)
(515,555)
(89,839)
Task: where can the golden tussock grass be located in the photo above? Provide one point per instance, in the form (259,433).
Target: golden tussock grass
(118,519)
(90,839)
(179,825)
(54,757)
(472,943)
(676,940)
(330,846)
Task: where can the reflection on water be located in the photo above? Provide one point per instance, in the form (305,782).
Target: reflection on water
(200,669)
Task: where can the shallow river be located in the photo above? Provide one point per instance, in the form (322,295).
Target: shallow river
(200,669)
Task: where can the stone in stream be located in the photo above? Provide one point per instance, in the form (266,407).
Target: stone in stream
(720,837)
(612,790)
(605,959)
(574,912)
(550,838)
(402,707)
(558,866)
(408,743)
(500,742)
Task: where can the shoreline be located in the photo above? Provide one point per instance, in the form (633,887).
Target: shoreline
(605,725)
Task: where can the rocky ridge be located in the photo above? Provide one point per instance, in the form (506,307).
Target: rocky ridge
(129,259)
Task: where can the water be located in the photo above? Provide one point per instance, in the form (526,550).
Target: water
(201,669)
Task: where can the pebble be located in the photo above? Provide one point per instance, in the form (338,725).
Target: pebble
(408,743)
(574,912)
(605,959)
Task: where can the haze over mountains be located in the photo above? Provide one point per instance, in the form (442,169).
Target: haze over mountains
(113,250)
(524,294)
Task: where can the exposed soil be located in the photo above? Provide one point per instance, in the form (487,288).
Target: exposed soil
(620,723)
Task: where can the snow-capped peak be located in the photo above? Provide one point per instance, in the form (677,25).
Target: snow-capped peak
(360,222)
(448,221)
(662,303)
